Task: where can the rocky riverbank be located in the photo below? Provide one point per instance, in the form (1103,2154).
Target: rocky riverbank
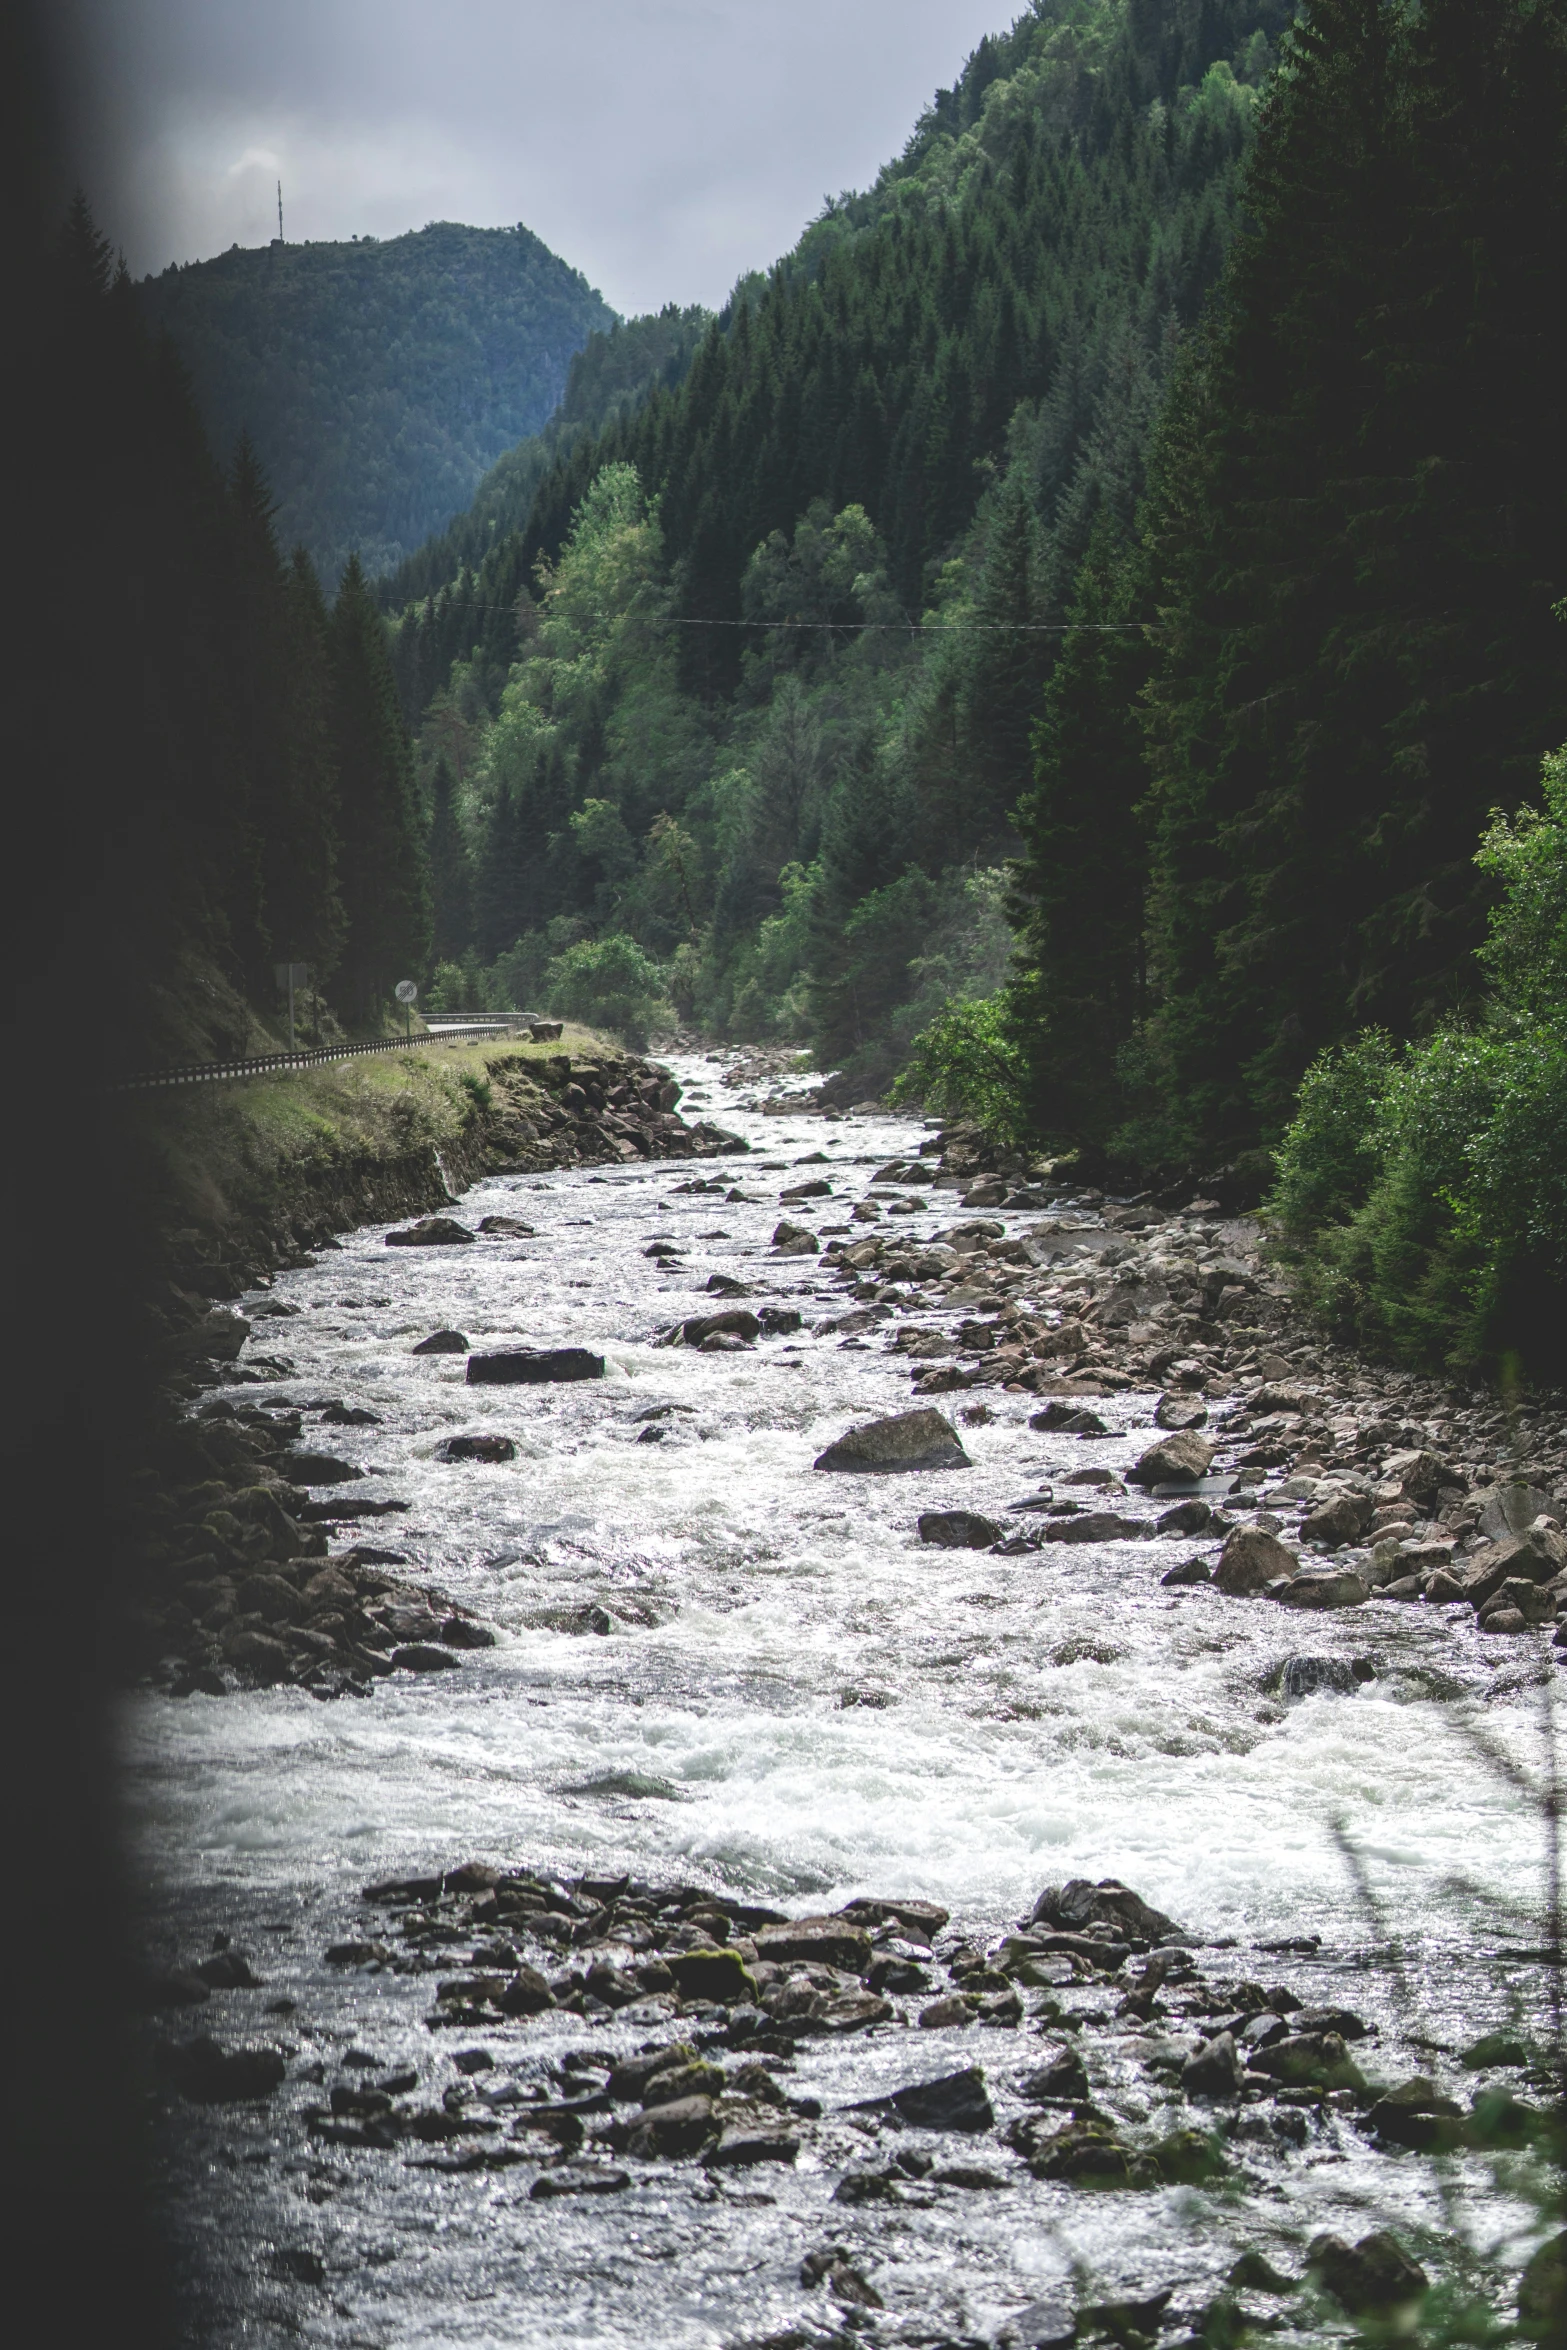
(226,1575)
(1307,1476)
(1095,2046)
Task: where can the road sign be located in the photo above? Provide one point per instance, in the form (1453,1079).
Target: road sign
(407,992)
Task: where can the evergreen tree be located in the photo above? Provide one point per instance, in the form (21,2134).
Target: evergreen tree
(1078,886)
(1359,659)
(384,872)
(451,879)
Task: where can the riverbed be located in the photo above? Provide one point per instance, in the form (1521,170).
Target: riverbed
(716,1665)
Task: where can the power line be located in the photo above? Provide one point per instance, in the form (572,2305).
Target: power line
(895,627)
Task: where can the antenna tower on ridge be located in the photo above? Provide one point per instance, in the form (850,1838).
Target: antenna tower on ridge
(280,212)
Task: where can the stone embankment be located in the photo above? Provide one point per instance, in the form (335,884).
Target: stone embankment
(226,1575)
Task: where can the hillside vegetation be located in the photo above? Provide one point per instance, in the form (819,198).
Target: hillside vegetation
(378,381)
(747,709)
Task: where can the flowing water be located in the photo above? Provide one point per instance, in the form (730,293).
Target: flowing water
(795,1701)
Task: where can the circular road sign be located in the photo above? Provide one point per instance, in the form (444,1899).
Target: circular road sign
(407,992)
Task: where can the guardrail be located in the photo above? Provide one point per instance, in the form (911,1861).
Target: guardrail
(264,1064)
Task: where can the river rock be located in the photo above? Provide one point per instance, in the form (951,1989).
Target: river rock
(1345,1517)
(534,1366)
(1536,1556)
(1310,2060)
(712,1974)
(910,1440)
(1214,2070)
(1078,1904)
(431,1232)
(320,1468)
(823,1941)
(953,2101)
(1174,1460)
(1324,1587)
(1250,1560)
(1189,1571)
(1185,1517)
(733,1322)
(422,1656)
(1062,2081)
(1375,2274)
(442,1342)
(1307,1676)
(792,1240)
(745,2144)
(959,1529)
(1181,1412)
(510,1226)
(209,2074)
(683,2127)
(1510,1509)
(1094,1526)
(476,1448)
(1419,1476)
(1416,2115)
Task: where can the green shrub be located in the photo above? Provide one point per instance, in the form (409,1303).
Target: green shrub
(610,983)
(476,1088)
(969,1064)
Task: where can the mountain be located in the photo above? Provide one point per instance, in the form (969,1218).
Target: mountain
(378,381)
(760,670)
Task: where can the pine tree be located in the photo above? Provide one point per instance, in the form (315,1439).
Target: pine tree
(384,872)
(1078,886)
(451,879)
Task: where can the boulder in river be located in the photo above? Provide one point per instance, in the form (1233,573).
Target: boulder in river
(320,1468)
(1324,1587)
(1375,2274)
(733,1322)
(529,1366)
(792,1240)
(442,1342)
(431,1232)
(1341,1518)
(1250,1561)
(1177,1459)
(1078,1904)
(510,1226)
(210,2074)
(1179,1412)
(910,1440)
(476,1448)
(953,2101)
(958,1529)
(1095,1526)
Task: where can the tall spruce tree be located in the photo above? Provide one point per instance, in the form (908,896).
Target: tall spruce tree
(451,876)
(384,871)
(1077,888)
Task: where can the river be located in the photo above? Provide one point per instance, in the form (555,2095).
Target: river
(798,1702)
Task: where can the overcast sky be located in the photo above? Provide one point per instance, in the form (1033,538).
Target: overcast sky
(661,146)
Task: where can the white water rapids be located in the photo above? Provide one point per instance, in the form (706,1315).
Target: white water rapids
(797,1702)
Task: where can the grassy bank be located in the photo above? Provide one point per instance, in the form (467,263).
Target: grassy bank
(224,1177)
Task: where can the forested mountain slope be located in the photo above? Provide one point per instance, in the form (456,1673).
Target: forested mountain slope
(779,631)
(378,381)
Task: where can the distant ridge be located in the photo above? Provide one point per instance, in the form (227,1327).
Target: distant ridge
(379,381)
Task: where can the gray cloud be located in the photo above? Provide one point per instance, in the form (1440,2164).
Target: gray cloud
(661,146)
